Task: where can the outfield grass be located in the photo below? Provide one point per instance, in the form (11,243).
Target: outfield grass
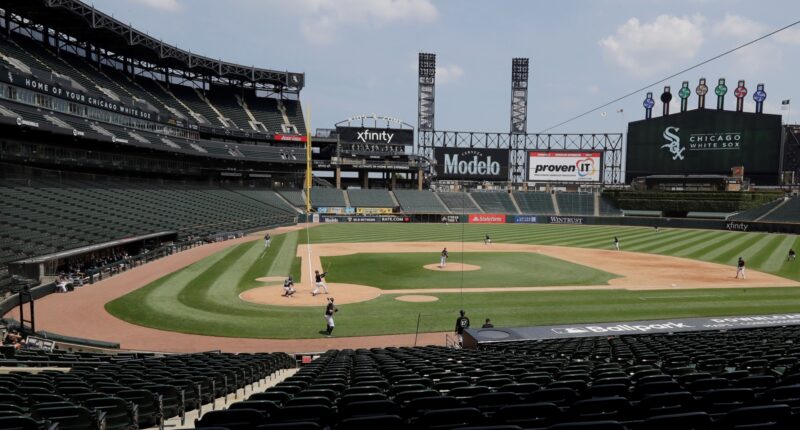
(498,269)
(203,298)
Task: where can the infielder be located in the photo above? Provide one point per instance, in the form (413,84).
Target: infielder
(443,259)
(319,282)
(740,268)
(288,287)
(616,243)
(329,311)
(267,240)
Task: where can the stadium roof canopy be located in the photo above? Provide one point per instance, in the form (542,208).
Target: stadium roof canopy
(86,24)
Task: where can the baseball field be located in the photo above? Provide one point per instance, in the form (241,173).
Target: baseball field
(385,279)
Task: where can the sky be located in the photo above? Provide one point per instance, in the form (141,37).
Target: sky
(360,56)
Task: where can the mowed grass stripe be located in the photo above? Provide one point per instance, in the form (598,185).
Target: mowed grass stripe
(700,250)
(767,249)
(679,241)
(746,247)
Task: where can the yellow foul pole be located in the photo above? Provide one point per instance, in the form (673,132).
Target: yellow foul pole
(308,160)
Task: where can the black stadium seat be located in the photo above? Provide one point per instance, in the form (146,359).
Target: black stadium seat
(232,419)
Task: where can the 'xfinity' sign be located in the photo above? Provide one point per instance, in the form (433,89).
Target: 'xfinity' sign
(375,136)
(472,164)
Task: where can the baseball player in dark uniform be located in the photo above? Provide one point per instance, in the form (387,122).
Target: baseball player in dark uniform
(462,323)
(616,243)
(443,258)
(329,311)
(288,287)
(487,240)
(740,268)
(319,282)
(792,255)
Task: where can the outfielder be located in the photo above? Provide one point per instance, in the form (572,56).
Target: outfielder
(616,243)
(487,240)
(329,311)
(740,268)
(443,259)
(319,282)
(792,255)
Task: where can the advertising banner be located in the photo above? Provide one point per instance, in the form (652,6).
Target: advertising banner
(374,211)
(376,136)
(565,220)
(565,166)
(487,219)
(525,219)
(367,219)
(471,164)
(290,137)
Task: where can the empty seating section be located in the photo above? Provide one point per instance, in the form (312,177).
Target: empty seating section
(226,103)
(756,213)
(494,202)
(327,197)
(158,90)
(535,202)
(788,212)
(192,99)
(608,206)
(296,198)
(575,203)
(45,59)
(370,198)
(419,201)
(265,110)
(267,197)
(43,217)
(711,380)
(122,391)
(295,115)
(458,202)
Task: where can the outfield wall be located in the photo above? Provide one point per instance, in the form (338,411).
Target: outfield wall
(564,219)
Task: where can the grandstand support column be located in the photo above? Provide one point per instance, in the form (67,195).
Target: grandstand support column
(338,175)
(420,175)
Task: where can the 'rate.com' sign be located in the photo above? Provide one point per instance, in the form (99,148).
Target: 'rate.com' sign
(564,166)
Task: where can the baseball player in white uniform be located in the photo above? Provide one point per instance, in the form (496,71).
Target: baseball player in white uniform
(443,259)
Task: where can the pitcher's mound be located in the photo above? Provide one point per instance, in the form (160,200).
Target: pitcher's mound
(452,267)
(343,293)
(417,298)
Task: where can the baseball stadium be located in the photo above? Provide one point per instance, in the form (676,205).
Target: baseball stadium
(180,249)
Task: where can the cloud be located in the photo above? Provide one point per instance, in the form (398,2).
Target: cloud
(448,74)
(593,89)
(764,55)
(643,49)
(163,5)
(738,28)
(323,20)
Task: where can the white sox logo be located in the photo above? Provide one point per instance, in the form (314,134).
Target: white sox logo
(674,145)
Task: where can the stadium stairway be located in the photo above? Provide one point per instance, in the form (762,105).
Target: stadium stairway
(555,203)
